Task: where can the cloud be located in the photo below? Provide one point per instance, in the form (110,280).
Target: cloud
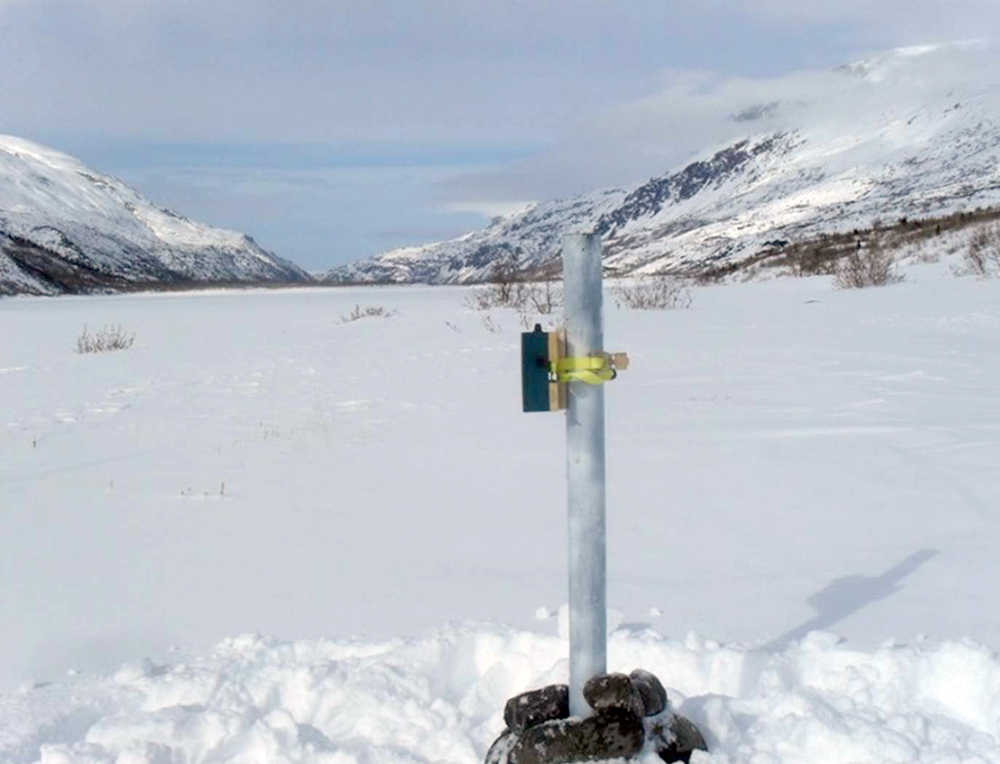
(313,206)
(309,70)
(489,209)
(927,16)
(696,111)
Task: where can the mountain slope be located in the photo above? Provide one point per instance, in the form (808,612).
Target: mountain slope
(908,133)
(531,236)
(65,228)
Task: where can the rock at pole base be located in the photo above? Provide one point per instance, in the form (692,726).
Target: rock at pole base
(529,709)
(632,716)
(687,740)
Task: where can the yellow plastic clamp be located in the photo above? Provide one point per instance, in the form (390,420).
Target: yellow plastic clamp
(592,369)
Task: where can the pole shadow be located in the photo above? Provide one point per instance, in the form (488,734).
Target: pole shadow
(847,595)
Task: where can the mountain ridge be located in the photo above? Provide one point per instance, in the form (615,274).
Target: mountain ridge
(879,139)
(65,228)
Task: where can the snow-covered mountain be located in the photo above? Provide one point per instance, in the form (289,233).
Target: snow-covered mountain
(914,132)
(67,228)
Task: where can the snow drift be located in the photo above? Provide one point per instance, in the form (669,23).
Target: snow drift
(439,699)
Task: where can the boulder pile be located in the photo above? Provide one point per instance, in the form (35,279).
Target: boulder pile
(632,715)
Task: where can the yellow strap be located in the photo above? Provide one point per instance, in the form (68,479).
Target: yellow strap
(592,369)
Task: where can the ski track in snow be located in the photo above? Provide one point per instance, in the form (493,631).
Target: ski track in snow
(788,465)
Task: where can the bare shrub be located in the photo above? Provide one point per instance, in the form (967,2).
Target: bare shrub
(539,299)
(927,254)
(814,261)
(480,298)
(525,297)
(509,288)
(496,296)
(490,325)
(709,276)
(653,293)
(112,337)
(369,311)
(505,289)
(543,298)
(982,258)
(505,276)
(867,267)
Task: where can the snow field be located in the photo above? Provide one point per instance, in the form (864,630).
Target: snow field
(786,462)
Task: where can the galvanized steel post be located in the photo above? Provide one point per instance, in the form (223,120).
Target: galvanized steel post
(585,470)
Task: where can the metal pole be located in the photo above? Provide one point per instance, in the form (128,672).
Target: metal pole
(585,470)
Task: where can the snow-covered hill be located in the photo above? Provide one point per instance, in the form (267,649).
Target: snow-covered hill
(914,132)
(67,228)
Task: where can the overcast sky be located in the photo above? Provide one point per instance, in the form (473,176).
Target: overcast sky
(334,130)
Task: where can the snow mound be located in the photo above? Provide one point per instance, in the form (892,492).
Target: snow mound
(439,699)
